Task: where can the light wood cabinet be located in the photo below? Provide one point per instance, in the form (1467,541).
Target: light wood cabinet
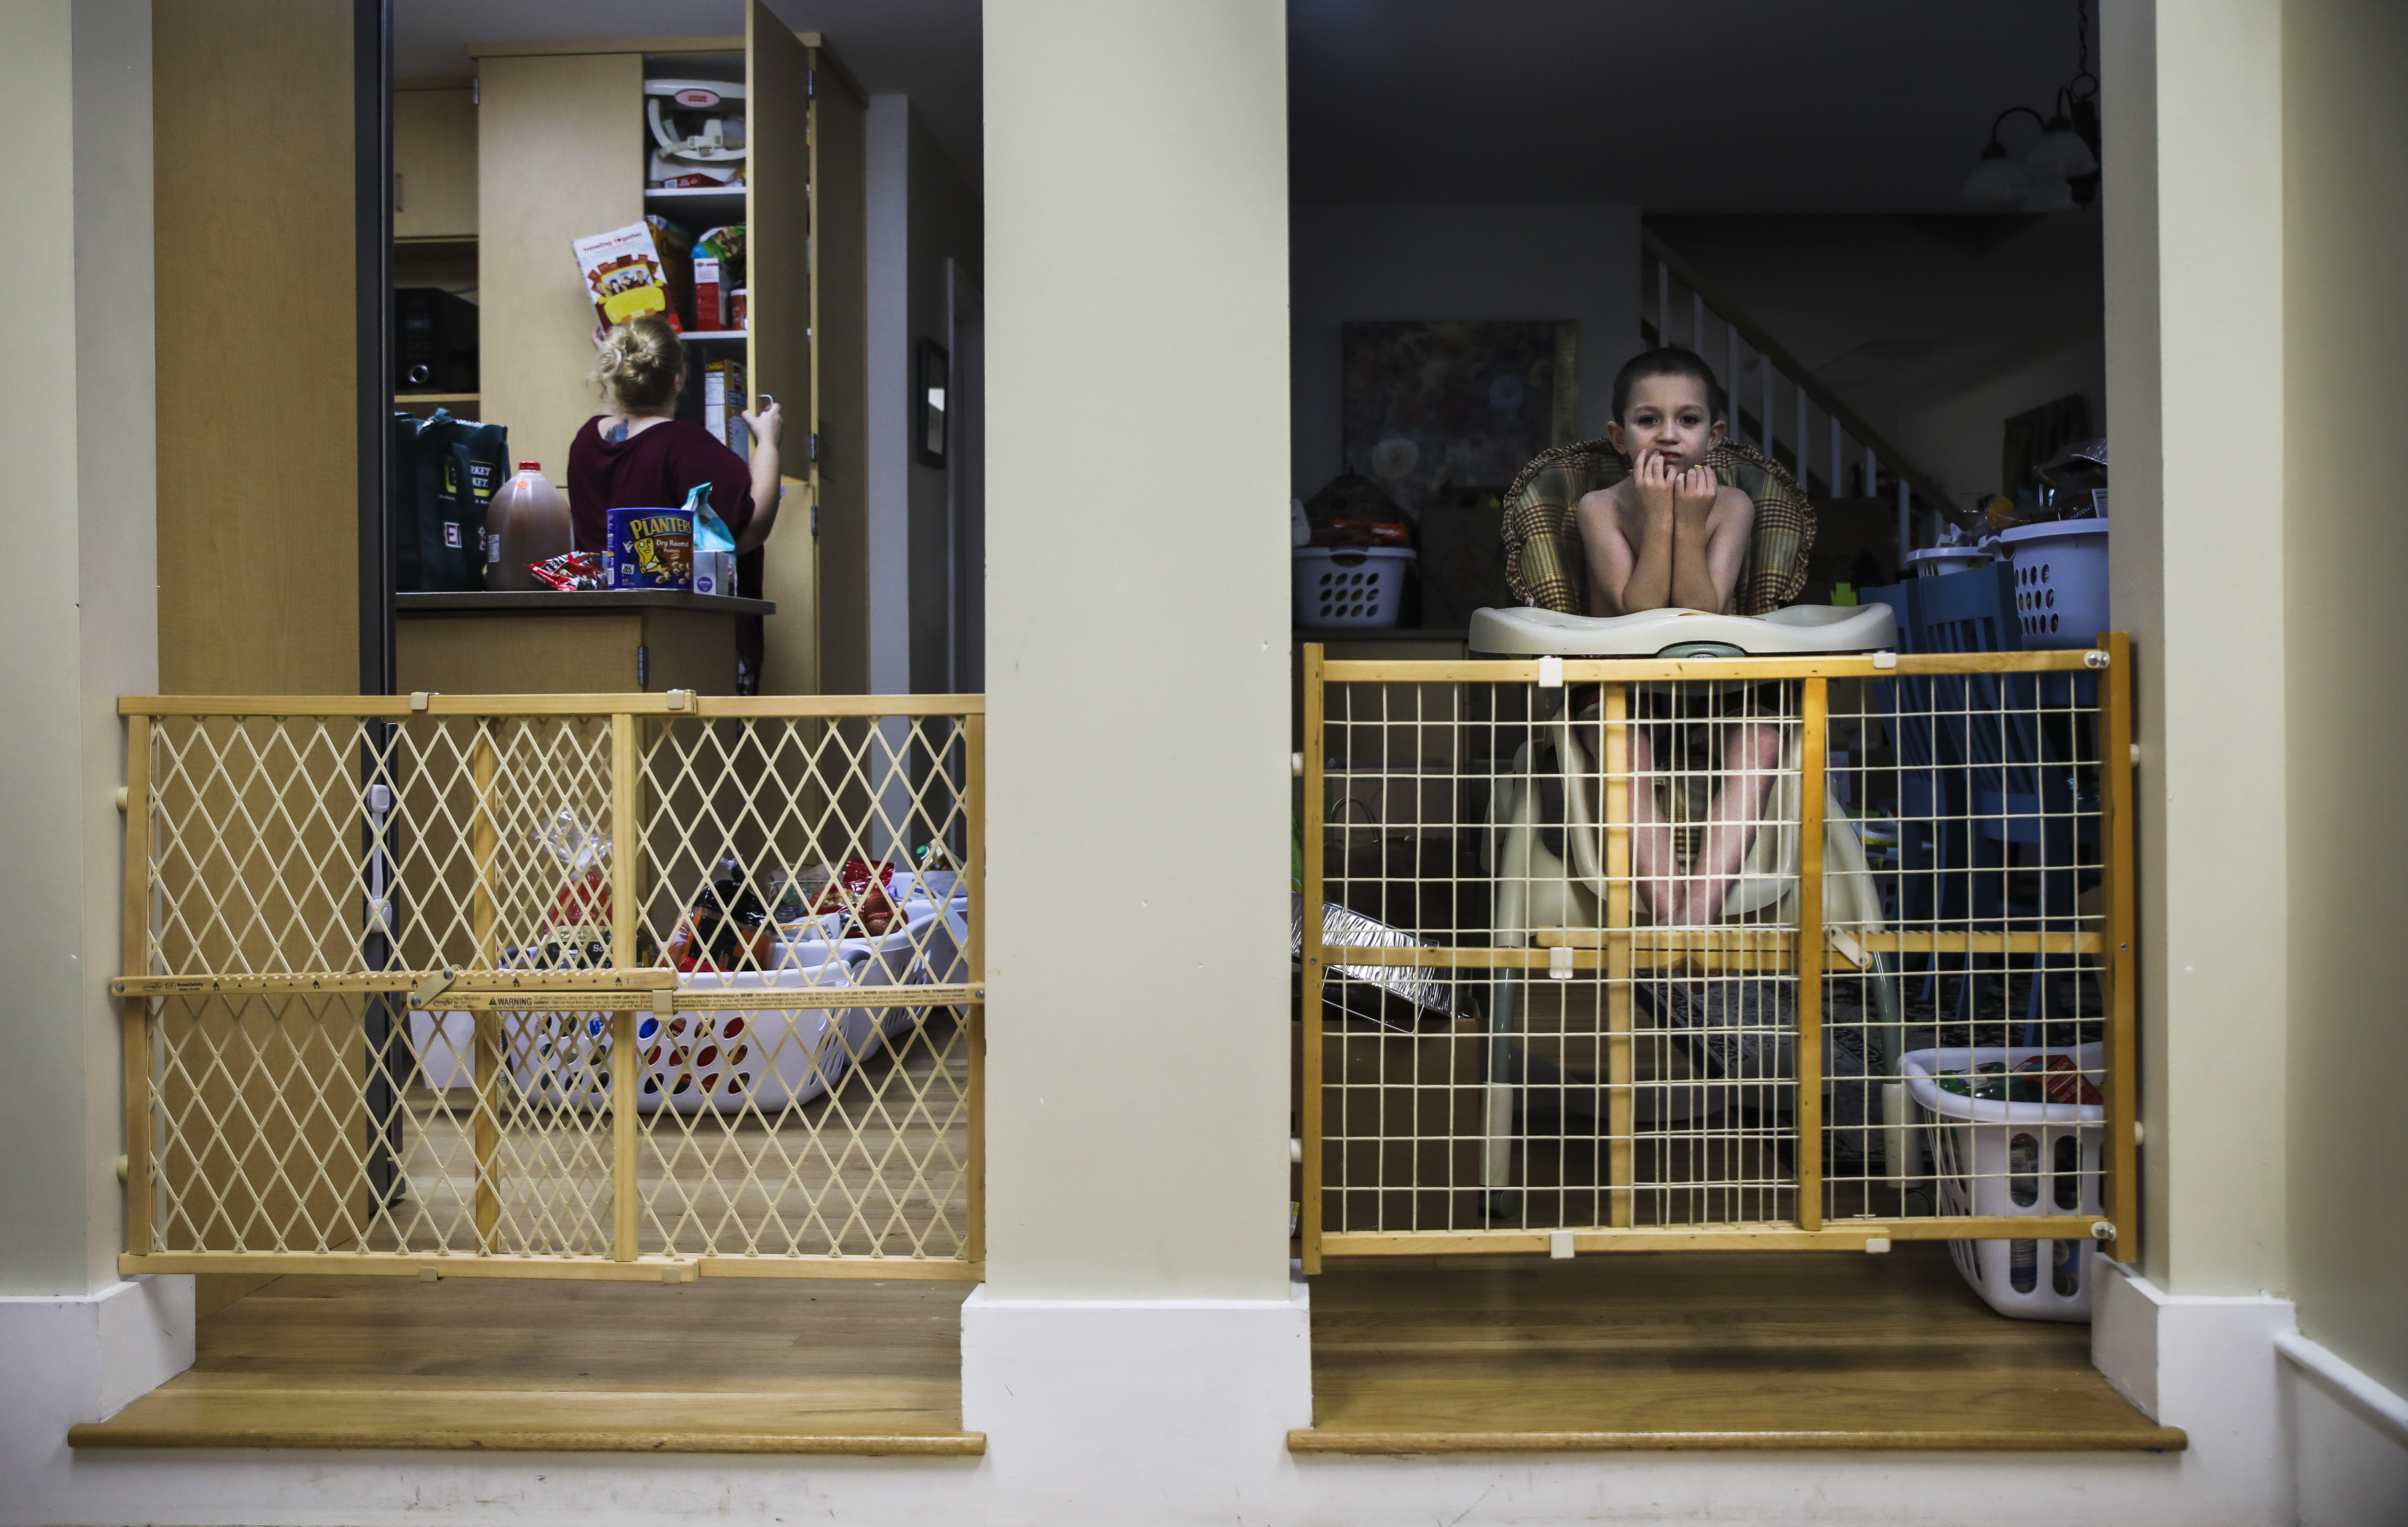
(560,156)
(433,159)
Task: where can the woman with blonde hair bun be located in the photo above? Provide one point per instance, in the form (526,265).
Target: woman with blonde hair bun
(640,456)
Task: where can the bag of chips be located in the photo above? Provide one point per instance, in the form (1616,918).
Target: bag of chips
(864,893)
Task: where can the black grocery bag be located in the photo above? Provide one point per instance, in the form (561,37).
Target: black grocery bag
(445,471)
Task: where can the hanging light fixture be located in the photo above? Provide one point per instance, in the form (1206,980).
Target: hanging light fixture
(2061,151)
(2048,193)
(2061,171)
(1994,177)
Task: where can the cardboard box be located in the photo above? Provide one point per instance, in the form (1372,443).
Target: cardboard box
(723,401)
(623,275)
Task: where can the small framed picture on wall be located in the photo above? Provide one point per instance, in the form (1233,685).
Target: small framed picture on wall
(935,368)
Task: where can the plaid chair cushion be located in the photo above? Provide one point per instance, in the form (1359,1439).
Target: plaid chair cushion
(1545,563)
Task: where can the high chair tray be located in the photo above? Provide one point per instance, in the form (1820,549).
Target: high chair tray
(1797,631)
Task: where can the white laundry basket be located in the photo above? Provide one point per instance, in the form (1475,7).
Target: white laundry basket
(2060,569)
(1343,587)
(721,1059)
(1995,1158)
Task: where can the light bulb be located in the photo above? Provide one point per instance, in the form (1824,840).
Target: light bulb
(1995,179)
(2060,152)
(2049,193)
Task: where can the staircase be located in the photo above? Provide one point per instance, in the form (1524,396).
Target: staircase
(1870,499)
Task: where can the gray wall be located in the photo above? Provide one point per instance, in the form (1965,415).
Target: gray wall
(921,213)
(1441,262)
(77,425)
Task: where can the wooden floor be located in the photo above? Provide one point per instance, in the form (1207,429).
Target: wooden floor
(1693,1351)
(726,1365)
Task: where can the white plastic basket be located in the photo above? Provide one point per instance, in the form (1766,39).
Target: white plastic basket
(2060,570)
(1995,1158)
(721,1059)
(1343,587)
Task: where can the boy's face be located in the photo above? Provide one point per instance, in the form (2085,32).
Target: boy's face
(1672,417)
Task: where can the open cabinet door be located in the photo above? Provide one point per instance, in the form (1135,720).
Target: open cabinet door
(778,231)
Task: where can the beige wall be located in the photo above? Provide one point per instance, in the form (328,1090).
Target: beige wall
(2194,255)
(80,618)
(2346,321)
(1137,648)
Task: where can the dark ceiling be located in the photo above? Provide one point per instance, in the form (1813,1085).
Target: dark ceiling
(1676,107)
(1687,105)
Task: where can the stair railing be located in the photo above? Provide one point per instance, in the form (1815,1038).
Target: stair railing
(1786,389)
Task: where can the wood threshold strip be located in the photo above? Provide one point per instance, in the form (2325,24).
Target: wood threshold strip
(504,1437)
(1306,1439)
(643,1269)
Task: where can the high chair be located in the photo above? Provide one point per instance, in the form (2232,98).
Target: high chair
(1547,845)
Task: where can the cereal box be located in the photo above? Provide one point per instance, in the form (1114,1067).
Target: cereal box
(623,275)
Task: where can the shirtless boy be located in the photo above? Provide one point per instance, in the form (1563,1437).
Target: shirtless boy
(1670,535)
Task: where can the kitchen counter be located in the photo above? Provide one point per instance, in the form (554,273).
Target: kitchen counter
(542,642)
(550,601)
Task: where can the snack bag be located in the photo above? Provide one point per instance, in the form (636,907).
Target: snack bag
(864,892)
(714,545)
(625,276)
(571,572)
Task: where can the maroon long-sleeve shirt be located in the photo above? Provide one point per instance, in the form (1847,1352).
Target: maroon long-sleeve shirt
(655,470)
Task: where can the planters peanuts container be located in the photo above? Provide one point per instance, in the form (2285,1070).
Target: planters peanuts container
(652,548)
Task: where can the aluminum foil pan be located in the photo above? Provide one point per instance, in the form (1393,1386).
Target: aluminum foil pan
(1427,990)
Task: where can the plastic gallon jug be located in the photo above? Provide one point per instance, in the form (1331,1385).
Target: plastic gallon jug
(530,523)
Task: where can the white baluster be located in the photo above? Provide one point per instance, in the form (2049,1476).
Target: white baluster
(1731,393)
(1763,365)
(1801,433)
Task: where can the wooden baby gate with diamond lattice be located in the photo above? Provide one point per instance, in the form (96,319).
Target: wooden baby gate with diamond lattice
(555,986)
(1719,953)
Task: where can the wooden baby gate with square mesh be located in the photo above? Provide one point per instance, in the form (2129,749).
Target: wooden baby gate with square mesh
(626,986)
(1739,953)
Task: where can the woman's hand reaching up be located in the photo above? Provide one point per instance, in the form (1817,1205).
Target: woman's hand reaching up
(766,421)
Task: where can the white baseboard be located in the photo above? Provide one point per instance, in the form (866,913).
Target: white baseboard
(2207,1365)
(2347,1437)
(80,1358)
(102,1351)
(1092,1408)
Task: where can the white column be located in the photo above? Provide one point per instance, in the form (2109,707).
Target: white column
(2195,209)
(1137,641)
